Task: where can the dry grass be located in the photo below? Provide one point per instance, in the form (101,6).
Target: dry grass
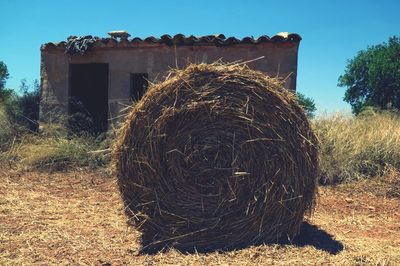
(58,152)
(52,149)
(77,218)
(55,151)
(357,148)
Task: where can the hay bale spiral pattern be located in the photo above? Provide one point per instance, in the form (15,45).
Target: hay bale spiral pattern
(216,157)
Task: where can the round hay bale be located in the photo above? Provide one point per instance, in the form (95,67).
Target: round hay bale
(216,157)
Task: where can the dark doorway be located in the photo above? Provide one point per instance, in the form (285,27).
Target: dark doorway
(139,83)
(88,98)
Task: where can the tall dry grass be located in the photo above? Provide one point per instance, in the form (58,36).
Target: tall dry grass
(358,147)
(351,148)
(51,149)
(59,152)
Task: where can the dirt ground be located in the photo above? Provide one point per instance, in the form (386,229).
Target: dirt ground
(77,218)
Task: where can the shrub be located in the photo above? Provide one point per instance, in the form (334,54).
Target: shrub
(61,153)
(6,130)
(22,108)
(28,103)
(51,149)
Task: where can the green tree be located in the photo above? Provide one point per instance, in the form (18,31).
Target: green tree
(22,108)
(3,75)
(307,103)
(372,77)
(29,103)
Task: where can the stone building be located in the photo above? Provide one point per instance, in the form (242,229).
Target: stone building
(104,75)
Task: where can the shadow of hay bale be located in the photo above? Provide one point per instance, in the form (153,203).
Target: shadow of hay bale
(310,235)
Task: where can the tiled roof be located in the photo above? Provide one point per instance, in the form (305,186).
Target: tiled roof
(180,39)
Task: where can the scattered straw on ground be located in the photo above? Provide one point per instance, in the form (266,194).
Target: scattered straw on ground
(78,218)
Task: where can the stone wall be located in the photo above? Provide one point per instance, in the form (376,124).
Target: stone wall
(280,60)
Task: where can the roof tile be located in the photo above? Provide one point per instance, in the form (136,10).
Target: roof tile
(180,39)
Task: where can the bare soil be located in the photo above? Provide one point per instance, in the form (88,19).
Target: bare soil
(77,218)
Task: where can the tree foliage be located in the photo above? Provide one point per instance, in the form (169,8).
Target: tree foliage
(372,77)
(307,103)
(22,108)
(29,101)
(3,75)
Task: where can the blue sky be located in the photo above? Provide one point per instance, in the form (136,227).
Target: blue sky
(333,31)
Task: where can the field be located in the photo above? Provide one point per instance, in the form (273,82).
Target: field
(60,204)
(77,218)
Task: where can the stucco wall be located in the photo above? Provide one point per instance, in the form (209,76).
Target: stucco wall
(280,59)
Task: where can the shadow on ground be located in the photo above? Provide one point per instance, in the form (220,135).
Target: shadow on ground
(310,235)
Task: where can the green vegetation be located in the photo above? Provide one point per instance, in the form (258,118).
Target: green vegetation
(7,131)
(307,103)
(23,107)
(372,77)
(3,75)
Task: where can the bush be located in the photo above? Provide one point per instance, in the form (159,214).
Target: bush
(28,103)
(56,152)
(51,149)
(22,108)
(358,147)
(10,134)
(61,153)
(6,130)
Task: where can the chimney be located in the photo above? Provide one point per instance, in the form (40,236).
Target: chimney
(122,34)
